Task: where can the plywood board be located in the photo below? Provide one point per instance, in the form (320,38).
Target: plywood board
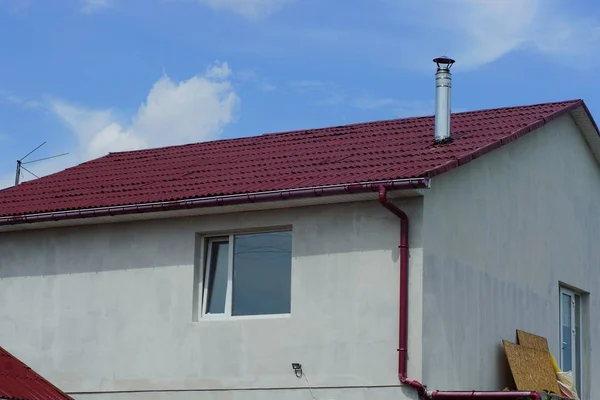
(537,342)
(531,368)
(530,340)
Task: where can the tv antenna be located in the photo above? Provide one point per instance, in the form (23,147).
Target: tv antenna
(20,163)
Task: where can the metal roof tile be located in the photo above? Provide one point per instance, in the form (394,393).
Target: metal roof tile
(19,382)
(381,150)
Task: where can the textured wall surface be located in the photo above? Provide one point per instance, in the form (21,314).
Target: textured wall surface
(499,235)
(108,308)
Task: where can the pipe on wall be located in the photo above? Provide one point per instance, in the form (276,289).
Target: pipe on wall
(403,295)
(458,395)
(403,325)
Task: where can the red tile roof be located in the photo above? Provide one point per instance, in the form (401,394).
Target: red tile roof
(365,152)
(19,382)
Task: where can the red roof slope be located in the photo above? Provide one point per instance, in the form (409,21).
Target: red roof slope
(382,150)
(19,382)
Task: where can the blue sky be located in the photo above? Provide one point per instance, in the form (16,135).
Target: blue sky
(93,76)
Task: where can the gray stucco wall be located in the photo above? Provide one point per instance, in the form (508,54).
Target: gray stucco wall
(109,308)
(499,235)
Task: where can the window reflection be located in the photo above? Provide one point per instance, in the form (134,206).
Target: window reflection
(262,273)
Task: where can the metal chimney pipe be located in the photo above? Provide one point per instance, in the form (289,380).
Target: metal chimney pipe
(443,85)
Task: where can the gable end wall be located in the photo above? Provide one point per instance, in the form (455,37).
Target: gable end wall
(499,234)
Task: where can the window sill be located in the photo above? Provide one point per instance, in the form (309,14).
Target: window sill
(212,318)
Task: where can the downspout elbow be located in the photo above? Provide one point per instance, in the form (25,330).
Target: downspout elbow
(382,195)
(383,200)
(535,396)
(418,386)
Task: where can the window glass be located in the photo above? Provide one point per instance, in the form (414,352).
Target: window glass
(567,341)
(218,254)
(262,273)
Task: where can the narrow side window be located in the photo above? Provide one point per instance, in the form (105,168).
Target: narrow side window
(571,335)
(215,276)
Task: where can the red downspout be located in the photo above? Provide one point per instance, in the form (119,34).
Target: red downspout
(403,300)
(403,325)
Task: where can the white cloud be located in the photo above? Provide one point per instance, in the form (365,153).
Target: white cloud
(332,99)
(194,110)
(369,103)
(253,77)
(398,108)
(493,28)
(92,6)
(10,98)
(332,95)
(478,32)
(415,108)
(409,34)
(329,93)
(251,9)
(307,84)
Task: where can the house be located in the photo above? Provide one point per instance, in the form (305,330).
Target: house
(381,260)
(19,382)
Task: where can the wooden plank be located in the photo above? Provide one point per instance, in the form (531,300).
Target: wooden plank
(531,368)
(530,340)
(537,342)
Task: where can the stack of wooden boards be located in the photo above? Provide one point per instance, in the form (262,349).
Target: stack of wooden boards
(533,367)
(531,364)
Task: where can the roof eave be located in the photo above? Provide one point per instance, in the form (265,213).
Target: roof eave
(29,221)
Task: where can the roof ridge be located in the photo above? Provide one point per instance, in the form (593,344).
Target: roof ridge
(548,103)
(354,124)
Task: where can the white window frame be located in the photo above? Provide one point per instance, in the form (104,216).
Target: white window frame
(204,278)
(576,336)
(206,273)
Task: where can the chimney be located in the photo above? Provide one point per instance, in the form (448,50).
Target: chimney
(443,84)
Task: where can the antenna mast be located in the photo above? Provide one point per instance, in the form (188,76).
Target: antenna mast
(18,175)
(21,167)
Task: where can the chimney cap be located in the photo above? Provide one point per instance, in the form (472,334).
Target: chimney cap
(444,60)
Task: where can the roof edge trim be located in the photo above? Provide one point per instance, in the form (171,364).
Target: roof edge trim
(457,162)
(589,115)
(216,201)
